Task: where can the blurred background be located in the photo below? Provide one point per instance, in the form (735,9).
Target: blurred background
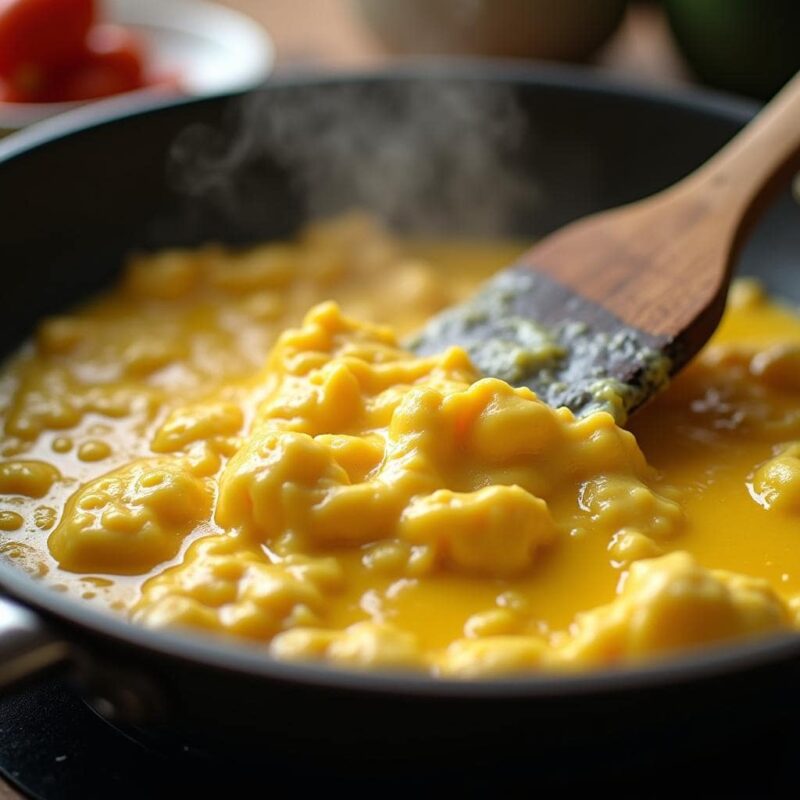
(745,46)
(56,54)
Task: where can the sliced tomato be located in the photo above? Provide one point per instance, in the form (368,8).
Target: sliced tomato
(42,34)
(166,81)
(8,94)
(117,45)
(114,63)
(29,85)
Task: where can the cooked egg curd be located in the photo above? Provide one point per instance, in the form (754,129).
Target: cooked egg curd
(216,445)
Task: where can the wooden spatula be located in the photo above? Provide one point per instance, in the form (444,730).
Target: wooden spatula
(602,312)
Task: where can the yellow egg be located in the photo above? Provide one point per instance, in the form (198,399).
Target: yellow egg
(265,464)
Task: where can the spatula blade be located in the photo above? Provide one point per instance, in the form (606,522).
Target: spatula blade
(528,330)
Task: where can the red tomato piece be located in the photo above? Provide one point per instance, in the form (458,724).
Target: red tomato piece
(114,63)
(166,81)
(8,94)
(42,34)
(27,86)
(118,44)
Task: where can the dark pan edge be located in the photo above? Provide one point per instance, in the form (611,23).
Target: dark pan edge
(87,622)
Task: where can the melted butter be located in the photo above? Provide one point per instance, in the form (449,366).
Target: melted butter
(337,498)
(719,421)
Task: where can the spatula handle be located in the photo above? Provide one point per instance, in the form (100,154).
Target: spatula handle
(759,160)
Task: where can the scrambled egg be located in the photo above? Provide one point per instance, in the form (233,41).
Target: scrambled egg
(179,452)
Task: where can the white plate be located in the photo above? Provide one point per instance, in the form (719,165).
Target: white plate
(214,50)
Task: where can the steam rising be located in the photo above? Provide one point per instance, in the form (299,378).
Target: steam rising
(424,156)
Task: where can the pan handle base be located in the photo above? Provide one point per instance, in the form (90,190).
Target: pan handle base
(27,645)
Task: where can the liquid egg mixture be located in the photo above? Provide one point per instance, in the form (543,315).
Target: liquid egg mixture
(237,442)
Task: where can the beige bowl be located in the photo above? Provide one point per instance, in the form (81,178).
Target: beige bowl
(567,30)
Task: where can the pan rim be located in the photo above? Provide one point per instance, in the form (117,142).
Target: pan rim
(245,660)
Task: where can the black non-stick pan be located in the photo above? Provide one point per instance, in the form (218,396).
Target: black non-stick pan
(76,196)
